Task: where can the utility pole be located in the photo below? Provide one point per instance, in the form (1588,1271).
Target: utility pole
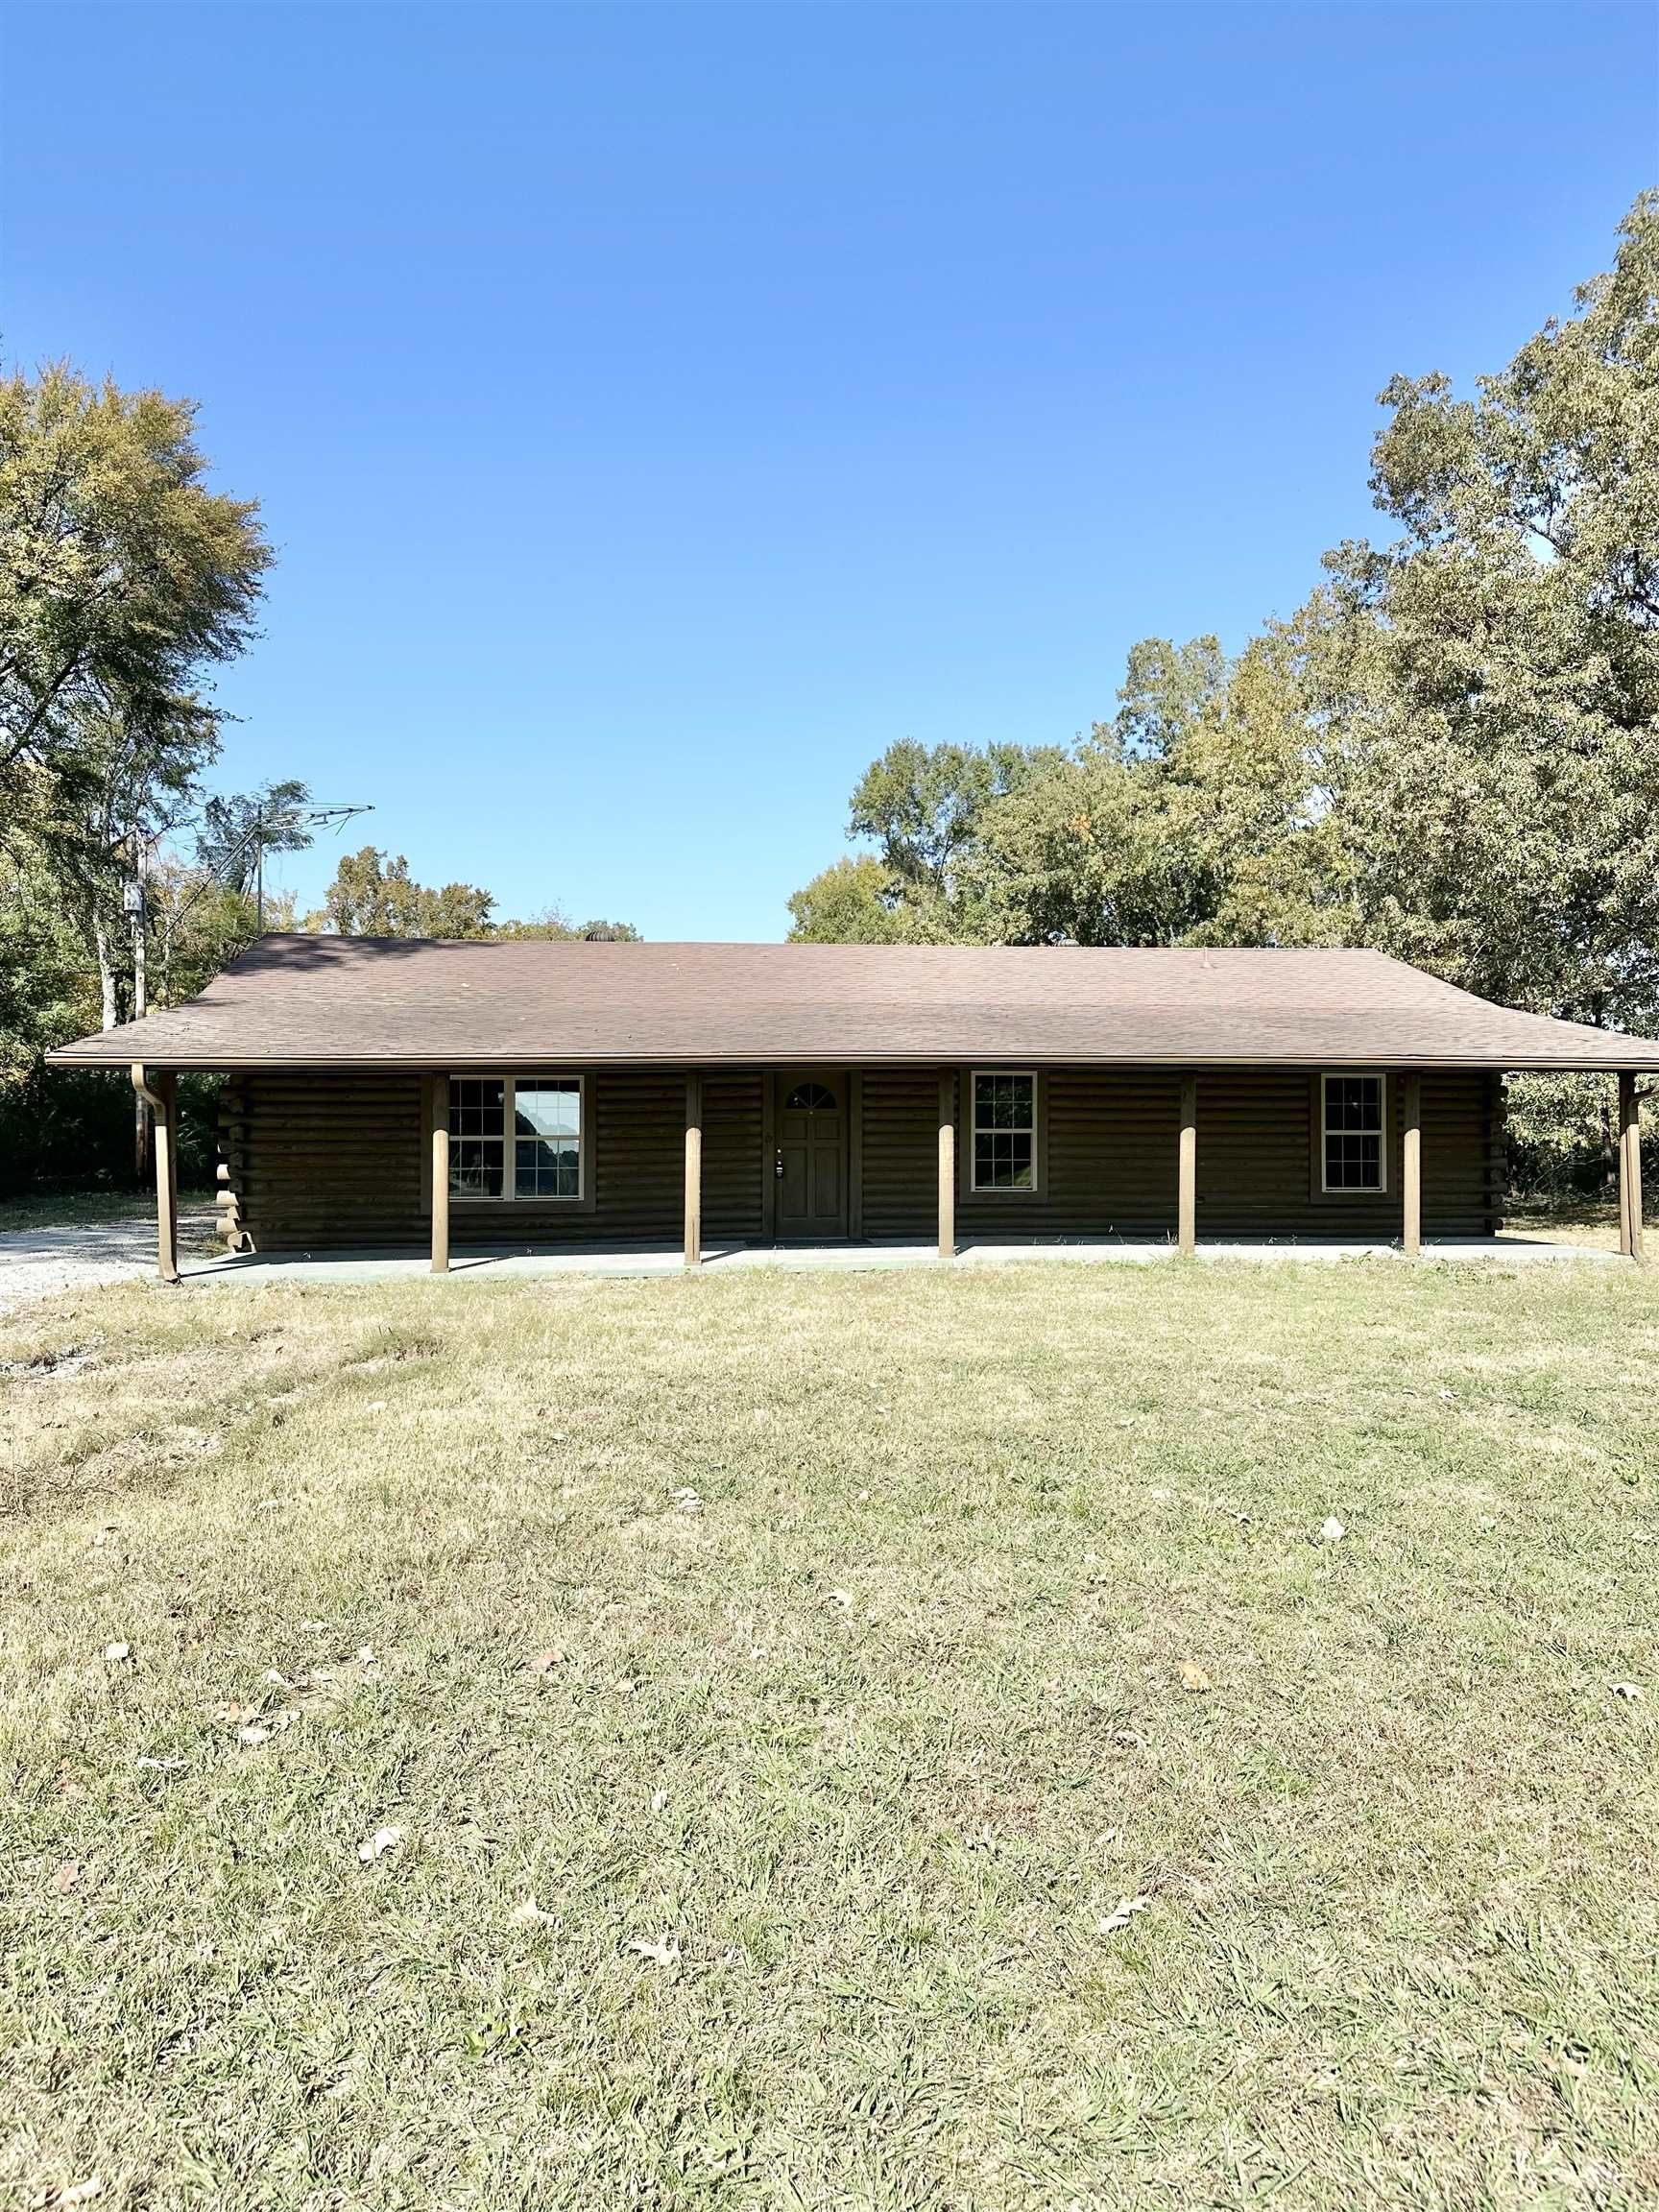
(132,904)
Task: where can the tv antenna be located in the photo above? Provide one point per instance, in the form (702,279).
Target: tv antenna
(307,817)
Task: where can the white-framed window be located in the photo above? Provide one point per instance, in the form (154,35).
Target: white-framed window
(1003,1139)
(1353,1134)
(517,1136)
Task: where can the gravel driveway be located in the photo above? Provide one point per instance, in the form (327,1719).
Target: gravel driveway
(34,1262)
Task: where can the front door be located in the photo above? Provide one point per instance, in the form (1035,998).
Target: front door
(812,1162)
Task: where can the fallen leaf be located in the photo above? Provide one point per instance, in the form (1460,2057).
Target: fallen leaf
(252,1736)
(1126,1911)
(545,1662)
(530,1911)
(1332,1531)
(382,1840)
(66,1877)
(1631,1690)
(376,1404)
(115,1654)
(686,1501)
(666,1953)
(659,1798)
(71,2193)
(162,1766)
(837,1598)
(1193,1677)
(235,1716)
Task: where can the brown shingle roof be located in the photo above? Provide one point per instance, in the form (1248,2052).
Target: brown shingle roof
(342,1001)
(366,1000)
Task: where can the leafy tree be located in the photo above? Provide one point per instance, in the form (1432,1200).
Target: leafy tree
(78,1127)
(128,793)
(853,902)
(1491,680)
(122,579)
(373,897)
(236,827)
(1199,815)
(923,806)
(554,923)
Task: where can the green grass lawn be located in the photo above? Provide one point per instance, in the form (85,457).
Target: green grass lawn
(882,1741)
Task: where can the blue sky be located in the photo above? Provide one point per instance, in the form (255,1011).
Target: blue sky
(656,410)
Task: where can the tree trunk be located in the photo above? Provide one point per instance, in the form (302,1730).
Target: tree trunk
(105,975)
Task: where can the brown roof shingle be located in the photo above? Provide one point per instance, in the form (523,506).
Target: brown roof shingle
(345,1002)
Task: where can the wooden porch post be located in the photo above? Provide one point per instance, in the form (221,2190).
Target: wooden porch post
(439,1138)
(1630,1239)
(1187,1206)
(693,1170)
(1411,1167)
(163,1100)
(948,1165)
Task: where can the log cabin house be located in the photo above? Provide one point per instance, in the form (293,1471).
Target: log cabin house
(391,1092)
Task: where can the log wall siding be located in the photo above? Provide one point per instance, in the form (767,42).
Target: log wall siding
(899,1130)
(1110,1153)
(321,1159)
(317,1159)
(1259,1159)
(734,1155)
(313,1159)
(1109,1145)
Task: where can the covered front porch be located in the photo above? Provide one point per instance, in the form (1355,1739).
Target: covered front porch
(859,1168)
(264,1271)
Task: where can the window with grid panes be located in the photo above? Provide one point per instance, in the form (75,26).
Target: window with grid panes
(1004,1130)
(1356,1155)
(516,1137)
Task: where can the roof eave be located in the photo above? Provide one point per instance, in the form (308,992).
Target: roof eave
(426,1063)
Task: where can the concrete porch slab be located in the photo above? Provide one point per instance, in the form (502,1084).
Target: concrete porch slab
(370,1266)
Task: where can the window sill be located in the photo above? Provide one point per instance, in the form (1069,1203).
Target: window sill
(509,1205)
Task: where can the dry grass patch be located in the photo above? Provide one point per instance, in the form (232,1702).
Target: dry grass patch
(819,1740)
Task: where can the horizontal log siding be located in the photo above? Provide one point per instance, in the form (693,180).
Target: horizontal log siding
(638,1171)
(733,1109)
(900,1152)
(1108,1159)
(1464,1170)
(313,1160)
(318,1159)
(1258,1159)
